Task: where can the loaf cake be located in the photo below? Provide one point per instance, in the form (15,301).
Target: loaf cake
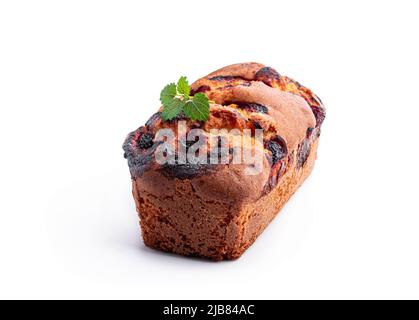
(218,211)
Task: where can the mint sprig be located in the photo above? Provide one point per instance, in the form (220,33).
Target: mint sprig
(176,99)
(168,94)
(197,108)
(183,87)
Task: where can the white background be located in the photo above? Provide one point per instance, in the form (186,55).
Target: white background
(77,76)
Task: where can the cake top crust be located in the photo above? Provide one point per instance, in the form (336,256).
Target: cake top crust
(243,96)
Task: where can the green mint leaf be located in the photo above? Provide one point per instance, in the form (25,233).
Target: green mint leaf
(198,108)
(168,94)
(172,109)
(183,87)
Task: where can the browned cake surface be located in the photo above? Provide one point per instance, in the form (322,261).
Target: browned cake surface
(217,211)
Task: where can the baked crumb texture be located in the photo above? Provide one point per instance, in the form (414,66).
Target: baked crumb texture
(217,211)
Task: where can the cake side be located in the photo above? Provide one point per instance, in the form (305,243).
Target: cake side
(182,220)
(256,217)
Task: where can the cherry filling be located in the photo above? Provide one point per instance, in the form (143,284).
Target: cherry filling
(304,150)
(180,117)
(278,148)
(145,141)
(188,170)
(253,107)
(309,132)
(185,171)
(267,75)
(139,149)
(201,89)
(257,125)
(153,121)
(319,114)
(223,78)
(277,151)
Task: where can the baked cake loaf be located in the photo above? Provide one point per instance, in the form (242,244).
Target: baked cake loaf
(218,211)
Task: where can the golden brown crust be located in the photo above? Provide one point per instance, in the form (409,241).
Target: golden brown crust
(290,114)
(291,109)
(220,86)
(241,70)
